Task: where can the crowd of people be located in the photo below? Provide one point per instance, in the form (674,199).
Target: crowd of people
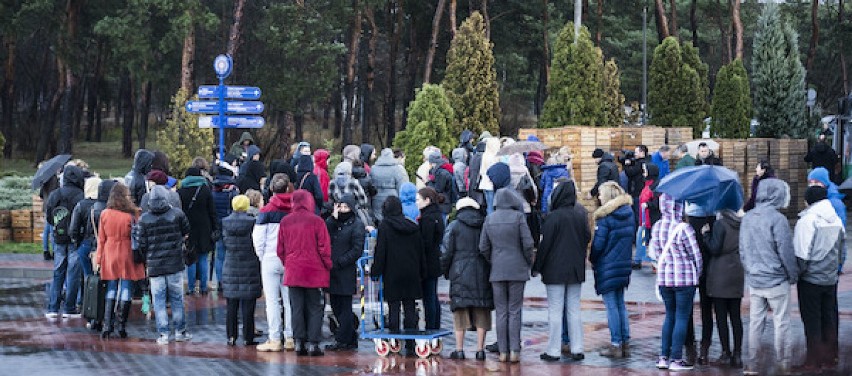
(485,221)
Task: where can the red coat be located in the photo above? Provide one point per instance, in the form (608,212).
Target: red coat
(321,171)
(113,253)
(646,196)
(304,245)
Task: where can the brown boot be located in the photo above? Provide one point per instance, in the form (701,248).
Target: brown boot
(612,351)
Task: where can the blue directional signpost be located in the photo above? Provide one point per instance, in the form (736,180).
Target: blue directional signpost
(225,110)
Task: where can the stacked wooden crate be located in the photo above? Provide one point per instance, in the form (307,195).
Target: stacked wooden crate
(787,157)
(38,219)
(675,137)
(653,138)
(5,226)
(733,153)
(22,225)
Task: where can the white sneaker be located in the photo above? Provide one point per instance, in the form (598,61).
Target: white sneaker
(183,336)
(680,365)
(663,363)
(51,315)
(163,340)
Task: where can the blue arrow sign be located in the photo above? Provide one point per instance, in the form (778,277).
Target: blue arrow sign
(236,92)
(232,122)
(238,107)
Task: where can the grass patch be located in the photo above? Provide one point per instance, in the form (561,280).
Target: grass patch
(24,248)
(103,157)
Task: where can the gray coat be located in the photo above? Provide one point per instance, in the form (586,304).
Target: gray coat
(506,242)
(766,241)
(388,177)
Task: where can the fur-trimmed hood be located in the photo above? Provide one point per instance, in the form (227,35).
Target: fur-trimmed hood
(613,205)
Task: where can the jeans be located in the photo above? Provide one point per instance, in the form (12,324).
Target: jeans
(220,260)
(119,289)
(760,301)
(818,307)
(307,308)
(508,302)
(246,308)
(83,252)
(66,270)
(616,316)
(489,200)
(277,297)
(565,298)
(45,237)
(642,234)
(169,287)
(431,306)
(197,271)
(678,301)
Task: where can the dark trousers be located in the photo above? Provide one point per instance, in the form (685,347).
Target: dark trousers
(341,305)
(706,302)
(431,306)
(729,309)
(410,321)
(246,309)
(818,307)
(508,304)
(306,304)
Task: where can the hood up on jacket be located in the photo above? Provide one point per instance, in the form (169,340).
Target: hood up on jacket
(104,188)
(142,161)
(614,206)
(408,197)
(459,155)
(392,212)
(306,164)
(246,136)
(653,174)
(251,152)
(500,175)
(73,176)
(817,232)
(607,157)
(820,174)
(158,200)
(565,195)
(386,158)
(773,192)
(735,219)
(471,217)
(303,201)
(321,158)
(670,209)
(466,137)
(508,199)
(366,151)
(351,153)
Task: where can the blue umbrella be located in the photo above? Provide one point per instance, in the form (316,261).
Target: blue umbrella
(712,187)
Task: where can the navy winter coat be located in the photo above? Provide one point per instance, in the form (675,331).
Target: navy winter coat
(612,246)
(561,257)
(241,271)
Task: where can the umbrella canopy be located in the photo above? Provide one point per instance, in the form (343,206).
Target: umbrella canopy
(712,187)
(522,147)
(846,186)
(693,146)
(49,168)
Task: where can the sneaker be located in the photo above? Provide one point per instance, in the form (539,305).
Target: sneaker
(75,314)
(51,315)
(549,358)
(492,348)
(183,336)
(680,365)
(270,346)
(663,363)
(163,340)
(289,344)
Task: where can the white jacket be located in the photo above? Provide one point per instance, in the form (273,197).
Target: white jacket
(265,239)
(817,240)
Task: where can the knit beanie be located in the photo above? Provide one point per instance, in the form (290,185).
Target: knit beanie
(240,203)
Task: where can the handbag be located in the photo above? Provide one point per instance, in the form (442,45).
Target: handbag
(190,252)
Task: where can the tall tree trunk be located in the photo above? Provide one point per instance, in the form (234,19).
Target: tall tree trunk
(67,39)
(578,18)
(144,111)
(128,114)
(413,54)
(840,20)
(92,93)
(7,95)
(544,66)
(453,18)
(693,22)
(814,38)
(234,36)
(299,122)
(351,62)
(48,116)
(368,109)
(433,43)
(673,29)
(394,26)
(599,31)
(738,29)
(484,10)
(337,102)
(187,58)
(662,20)
(326,114)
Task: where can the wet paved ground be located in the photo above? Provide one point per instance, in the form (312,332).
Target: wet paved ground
(30,344)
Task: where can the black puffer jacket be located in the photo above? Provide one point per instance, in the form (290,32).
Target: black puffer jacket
(159,234)
(607,171)
(432,231)
(142,162)
(241,272)
(347,244)
(463,265)
(561,257)
(80,221)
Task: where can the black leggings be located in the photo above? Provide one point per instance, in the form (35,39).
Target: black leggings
(729,308)
(246,309)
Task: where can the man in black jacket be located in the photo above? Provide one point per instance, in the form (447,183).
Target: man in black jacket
(607,170)
(822,155)
(347,242)
(66,265)
(634,168)
(159,234)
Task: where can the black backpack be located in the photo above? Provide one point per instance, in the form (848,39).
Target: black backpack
(61,216)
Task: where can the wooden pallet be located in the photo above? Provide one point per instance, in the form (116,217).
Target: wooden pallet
(5,219)
(5,235)
(22,235)
(22,218)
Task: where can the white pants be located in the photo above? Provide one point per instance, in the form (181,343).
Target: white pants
(275,293)
(565,297)
(760,300)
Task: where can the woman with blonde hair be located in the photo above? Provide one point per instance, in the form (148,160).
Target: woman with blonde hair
(115,257)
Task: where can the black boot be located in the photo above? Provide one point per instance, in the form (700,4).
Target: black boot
(109,308)
(123,313)
(705,352)
(737,359)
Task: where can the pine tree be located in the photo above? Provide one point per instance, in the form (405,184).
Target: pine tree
(430,120)
(693,59)
(471,80)
(778,76)
(181,138)
(575,90)
(613,112)
(677,97)
(731,109)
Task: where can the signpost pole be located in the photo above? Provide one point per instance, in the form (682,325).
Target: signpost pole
(222,109)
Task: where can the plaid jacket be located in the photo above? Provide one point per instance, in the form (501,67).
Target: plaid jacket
(681,265)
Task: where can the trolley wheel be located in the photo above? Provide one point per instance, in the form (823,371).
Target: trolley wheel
(422,366)
(423,351)
(395,345)
(437,346)
(382,348)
